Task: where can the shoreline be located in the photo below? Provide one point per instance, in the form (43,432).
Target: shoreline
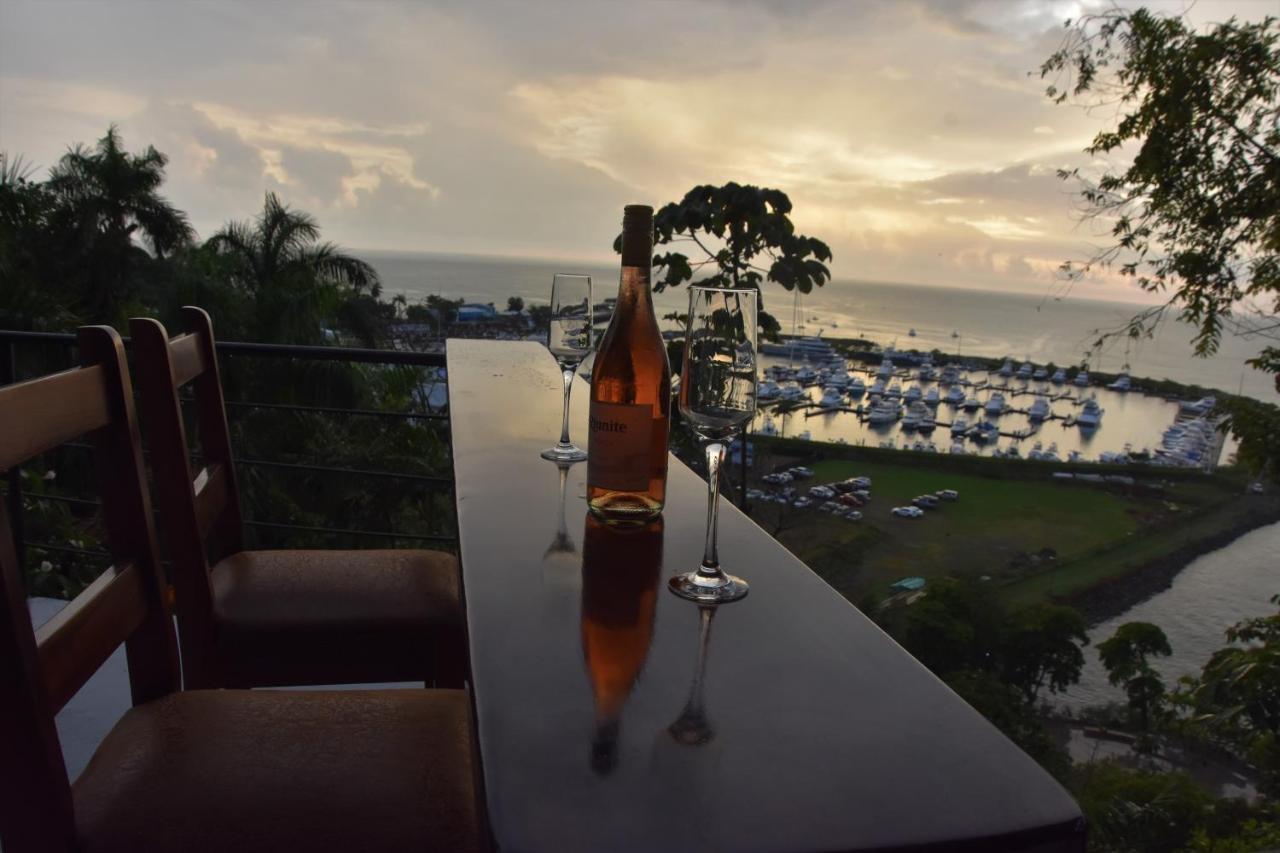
(1114,596)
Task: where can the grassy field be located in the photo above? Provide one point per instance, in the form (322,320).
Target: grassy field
(1006,529)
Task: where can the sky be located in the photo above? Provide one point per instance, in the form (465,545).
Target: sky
(913,136)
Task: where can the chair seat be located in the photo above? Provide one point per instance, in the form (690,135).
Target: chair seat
(243,771)
(328,617)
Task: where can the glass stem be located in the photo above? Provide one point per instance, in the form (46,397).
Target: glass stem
(710,557)
(564,420)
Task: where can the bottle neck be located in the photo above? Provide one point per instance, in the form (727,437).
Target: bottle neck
(634,288)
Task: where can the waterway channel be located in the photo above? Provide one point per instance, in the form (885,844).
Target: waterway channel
(1213,592)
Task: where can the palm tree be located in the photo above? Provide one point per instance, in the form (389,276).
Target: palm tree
(298,284)
(106,199)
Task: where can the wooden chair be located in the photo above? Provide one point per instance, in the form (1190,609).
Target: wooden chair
(251,618)
(226,770)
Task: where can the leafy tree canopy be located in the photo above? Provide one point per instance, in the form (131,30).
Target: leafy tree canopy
(1196,213)
(740,236)
(1126,652)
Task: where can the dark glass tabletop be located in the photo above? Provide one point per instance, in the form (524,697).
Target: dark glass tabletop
(614,716)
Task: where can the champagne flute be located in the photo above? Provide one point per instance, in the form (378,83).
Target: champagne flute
(570,337)
(717,399)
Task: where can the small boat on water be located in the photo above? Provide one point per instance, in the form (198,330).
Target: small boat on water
(1122,382)
(768,390)
(1039,409)
(832,398)
(884,412)
(806,376)
(927,373)
(959,426)
(931,398)
(857,387)
(1090,416)
(916,413)
(911,334)
(1201,407)
(957,448)
(877,387)
(805,436)
(1024,371)
(913,394)
(1006,369)
(895,390)
(984,432)
(1082,378)
(950,374)
(955,396)
(791,391)
(1040,375)
(768,427)
(1059,376)
(971,404)
(886,367)
(995,404)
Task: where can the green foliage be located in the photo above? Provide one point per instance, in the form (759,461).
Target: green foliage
(1140,811)
(1197,211)
(1236,699)
(1126,658)
(1042,648)
(515,303)
(743,236)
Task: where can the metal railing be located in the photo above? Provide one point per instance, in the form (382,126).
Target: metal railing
(10,341)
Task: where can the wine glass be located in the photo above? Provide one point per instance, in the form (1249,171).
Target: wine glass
(717,399)
(570,338)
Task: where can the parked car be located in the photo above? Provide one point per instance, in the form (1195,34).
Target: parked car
(823,492)
(842,486)
(829,506)
(925,501)
(801,473)
(948,494)
(861,482)
(863,493)
(802,503)
(852,515)
(754,494)
(776,479)
(907,511)
(851,500)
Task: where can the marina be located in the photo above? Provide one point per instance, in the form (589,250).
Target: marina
(809,391)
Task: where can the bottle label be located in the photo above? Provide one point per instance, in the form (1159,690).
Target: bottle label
(621,438)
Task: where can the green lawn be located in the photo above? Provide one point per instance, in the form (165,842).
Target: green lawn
(991,530)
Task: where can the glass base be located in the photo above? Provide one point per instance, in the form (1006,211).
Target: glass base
(706,589)
(564,453)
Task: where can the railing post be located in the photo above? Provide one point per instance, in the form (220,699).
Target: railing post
(8,375)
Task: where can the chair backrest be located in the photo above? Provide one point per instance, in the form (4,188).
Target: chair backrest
(201,504)
(41,670)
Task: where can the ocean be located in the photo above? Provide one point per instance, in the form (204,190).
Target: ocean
(988,323)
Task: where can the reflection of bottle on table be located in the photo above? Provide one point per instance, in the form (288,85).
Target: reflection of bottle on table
(621,566)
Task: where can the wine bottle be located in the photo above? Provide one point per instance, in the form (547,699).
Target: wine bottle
(630,413)
(621,569)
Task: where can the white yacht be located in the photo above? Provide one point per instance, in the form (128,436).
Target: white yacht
(1024,371)
(1040,375)
(1059,376)
(885,368)
(971,404)
(884,412)
(877,387)
(955,396)
(1006,369)
(791,391)
(1082,378)
(1090,416)
(916,413)
(1039,409)
(1203,406)
(959,426)
(832,398)
(806,376)
(957,448)
(768,390)
(984,432)
(995,404)
(950,374)
(931,397)
(913,394)
(926,370)
(927,423)
(857,387)
(895,390)
(1122,382)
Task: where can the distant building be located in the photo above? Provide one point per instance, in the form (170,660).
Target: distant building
(474,312)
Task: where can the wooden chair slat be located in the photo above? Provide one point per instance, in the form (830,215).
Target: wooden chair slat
(187,358)
(82,635)
(212,491)
(51,411)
